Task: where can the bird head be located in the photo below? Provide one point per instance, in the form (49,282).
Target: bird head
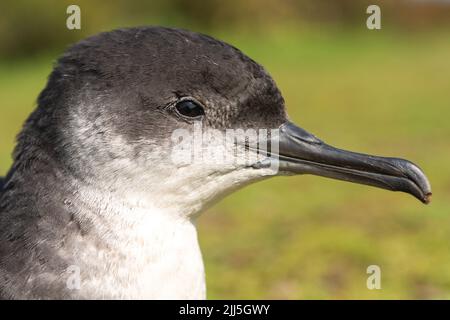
(178,118)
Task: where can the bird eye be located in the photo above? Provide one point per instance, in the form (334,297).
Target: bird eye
(189,108)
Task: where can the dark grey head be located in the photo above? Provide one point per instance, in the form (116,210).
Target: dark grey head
(113,102)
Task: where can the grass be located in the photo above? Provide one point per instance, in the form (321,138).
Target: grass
(308,237)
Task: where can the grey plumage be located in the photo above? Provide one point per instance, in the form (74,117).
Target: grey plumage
(114,84)
(93,184)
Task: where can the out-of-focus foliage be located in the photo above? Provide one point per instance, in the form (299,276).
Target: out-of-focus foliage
(28,27)
(384,92)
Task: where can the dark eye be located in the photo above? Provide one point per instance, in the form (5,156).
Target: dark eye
(189,108)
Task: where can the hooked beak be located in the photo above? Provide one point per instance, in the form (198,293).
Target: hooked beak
(302,153)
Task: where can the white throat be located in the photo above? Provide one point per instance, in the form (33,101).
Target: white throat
(137,253)
(144,241)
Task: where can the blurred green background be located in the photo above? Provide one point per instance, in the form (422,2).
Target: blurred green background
(384,92)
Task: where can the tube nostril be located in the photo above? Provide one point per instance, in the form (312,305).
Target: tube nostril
(299,133)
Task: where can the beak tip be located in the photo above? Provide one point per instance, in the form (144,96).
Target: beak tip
(427,198)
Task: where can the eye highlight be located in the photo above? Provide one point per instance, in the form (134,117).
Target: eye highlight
(190,109)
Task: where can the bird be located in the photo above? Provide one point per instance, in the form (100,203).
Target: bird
(95,205)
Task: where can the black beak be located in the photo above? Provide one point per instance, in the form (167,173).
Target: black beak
(302,153)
